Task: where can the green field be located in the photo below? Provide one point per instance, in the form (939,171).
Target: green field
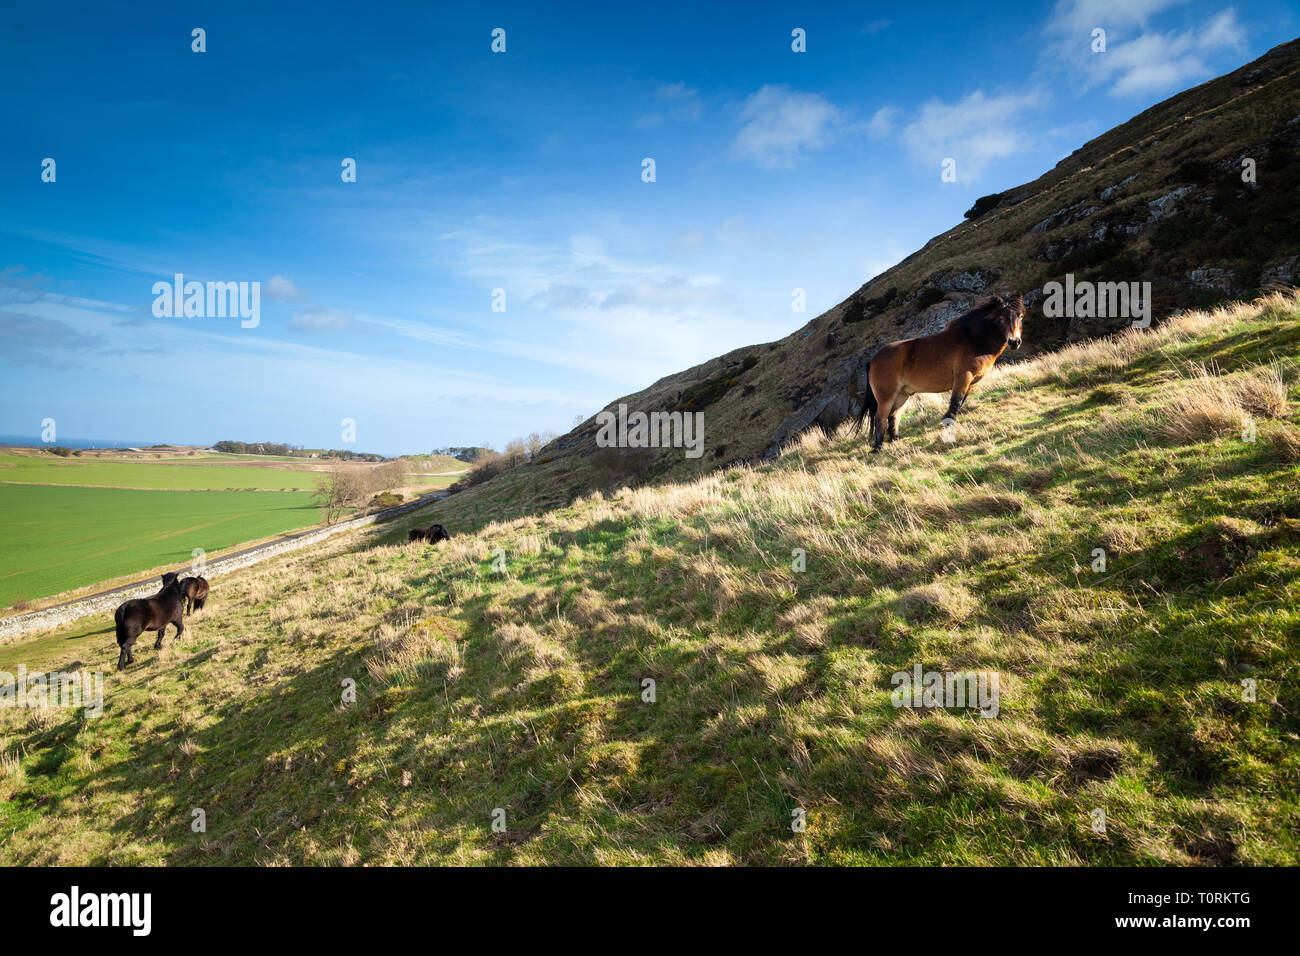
(56,538)
(49,470)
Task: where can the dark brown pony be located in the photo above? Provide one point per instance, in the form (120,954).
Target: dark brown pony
(148,614)
(433,534)
(195,592)
(949,361)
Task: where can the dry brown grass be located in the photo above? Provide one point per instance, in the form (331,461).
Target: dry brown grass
(1286,442)
(1262,391)
(405,650)
(11,768)
(1100,358)
(808,621)
(948,598)
(1205,406)
(1208,403)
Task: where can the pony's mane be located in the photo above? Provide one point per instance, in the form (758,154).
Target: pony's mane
(980,318)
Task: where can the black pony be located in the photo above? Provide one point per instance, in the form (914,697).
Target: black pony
(148,614)
(433,534)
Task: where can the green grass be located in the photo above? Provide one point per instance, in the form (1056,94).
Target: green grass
(50,470)
(59,538)
(1120,689)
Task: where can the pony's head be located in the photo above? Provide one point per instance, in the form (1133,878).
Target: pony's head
(1008,312)
(169,579)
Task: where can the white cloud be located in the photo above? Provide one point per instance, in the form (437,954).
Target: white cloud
(319,318)
(282,288)
(975,131)
(627,320)
(677,103)
(883,121)
(1138,61)
(780,126)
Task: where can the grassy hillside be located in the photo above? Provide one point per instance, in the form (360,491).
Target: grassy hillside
(521,688)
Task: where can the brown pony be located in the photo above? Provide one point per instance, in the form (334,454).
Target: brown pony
(949,361)
(148,614)
(195,591)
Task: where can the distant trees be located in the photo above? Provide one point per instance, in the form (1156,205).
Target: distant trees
(257,448)
(292,451)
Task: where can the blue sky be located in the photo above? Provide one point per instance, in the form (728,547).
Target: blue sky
(520,171)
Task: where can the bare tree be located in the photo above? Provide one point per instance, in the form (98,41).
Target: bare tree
(514,453)
(336,489)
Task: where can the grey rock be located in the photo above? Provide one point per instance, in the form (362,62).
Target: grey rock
(1111,190)
(1163,206)
(1286,272)
(1219,280)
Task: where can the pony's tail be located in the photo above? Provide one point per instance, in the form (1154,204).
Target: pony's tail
(197,604)
(868,412)
(119,625)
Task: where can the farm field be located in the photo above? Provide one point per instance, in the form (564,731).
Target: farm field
(68,523)
(166,475)
(54,538)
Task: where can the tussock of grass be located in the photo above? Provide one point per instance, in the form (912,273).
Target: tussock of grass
(665,674)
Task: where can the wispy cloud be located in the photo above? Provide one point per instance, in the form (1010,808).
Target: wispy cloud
(883,122)
(1138,60)
(674,103)
(976,131)
(320,318)
(34,340)
(779,126)
(282,289)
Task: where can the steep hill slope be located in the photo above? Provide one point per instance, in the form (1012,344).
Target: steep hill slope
(506,670)
(1159,198)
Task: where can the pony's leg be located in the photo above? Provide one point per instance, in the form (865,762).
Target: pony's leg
(121,656)
(161,631)
(960,389)
(880,424)
(894,413)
